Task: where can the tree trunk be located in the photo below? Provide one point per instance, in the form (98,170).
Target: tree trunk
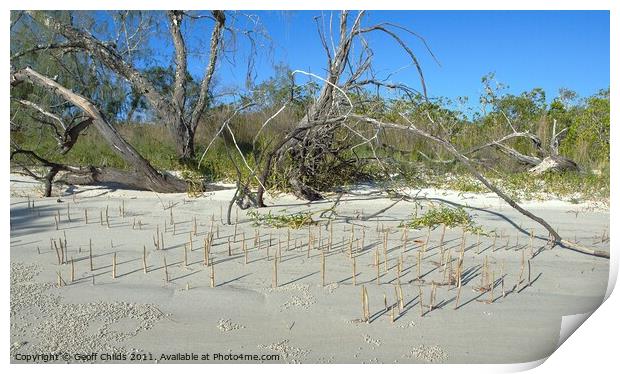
(555,164)
(184,141)
(125,178)
(152,179)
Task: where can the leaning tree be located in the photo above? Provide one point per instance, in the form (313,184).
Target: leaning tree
(144,176)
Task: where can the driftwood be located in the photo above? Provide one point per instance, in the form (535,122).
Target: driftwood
(108,176)
(554,163)
(80,175)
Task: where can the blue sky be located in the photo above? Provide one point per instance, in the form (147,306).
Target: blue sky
(525,49)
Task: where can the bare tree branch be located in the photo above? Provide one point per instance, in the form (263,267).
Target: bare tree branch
(205,85)
(45,47)
(467,163)
(46,113)
(403,46)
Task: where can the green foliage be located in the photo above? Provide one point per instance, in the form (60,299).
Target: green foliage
(283,88)
(588,186)
(464,183)
(443,215)
(294,221)
(587,140)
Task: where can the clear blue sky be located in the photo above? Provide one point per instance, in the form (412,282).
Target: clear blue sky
(526,49)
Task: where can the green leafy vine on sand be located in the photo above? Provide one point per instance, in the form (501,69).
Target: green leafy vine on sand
(294,221)
(434,217)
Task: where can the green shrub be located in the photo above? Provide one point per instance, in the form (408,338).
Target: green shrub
(443,215)
(294,221)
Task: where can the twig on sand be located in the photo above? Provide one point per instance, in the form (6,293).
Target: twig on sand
(144,267)
(114,266)
(166,270)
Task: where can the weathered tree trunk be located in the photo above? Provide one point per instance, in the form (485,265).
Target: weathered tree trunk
(183,141)
(125,178)
(151,178)
(87,175)
(554,163)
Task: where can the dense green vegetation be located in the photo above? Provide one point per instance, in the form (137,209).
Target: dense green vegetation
(294,220)
(443,215)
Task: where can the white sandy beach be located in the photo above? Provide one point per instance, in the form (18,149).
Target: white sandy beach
(301,320)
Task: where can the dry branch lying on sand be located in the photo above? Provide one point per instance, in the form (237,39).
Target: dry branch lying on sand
(465,161)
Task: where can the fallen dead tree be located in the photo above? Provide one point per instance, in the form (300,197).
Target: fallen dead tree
(410,127)
(77,175)
(540,163)
(311,144)
(312,139)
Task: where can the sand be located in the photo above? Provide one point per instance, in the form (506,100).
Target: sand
(140,316)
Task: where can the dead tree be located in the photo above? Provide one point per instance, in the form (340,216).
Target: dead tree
(311,141)
(540,163)
(172,110)
(553,161)
(80,175)
(334,110)
(144,176)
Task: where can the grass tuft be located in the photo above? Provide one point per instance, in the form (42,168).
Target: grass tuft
(443,215)
(294,221)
